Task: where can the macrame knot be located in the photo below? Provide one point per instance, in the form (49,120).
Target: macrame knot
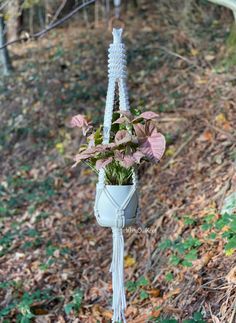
(117,57)
(120,218)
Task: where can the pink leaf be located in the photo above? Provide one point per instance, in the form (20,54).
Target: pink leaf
(124,160)
(120,120)
(127,114)
(122,137)
(147,115)
(119,156)
(138,155)
(101,163)
(140,130)
(80,122)
(153,146)
(83,156)
(128,161)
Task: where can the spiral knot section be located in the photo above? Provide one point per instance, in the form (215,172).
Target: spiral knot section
(117,67)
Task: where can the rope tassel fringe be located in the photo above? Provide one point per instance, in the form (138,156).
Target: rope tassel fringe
(117,269)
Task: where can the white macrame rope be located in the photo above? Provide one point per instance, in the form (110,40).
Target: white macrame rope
(117,74)
(117,269)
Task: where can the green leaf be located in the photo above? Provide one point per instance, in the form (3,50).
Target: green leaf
(179,246)
(186,263)
(223,221)
(142,281)
(169,277)
(212,235)
(77,299)
(135,111)
(231,243)
(197,316)
(143,295)
(209,218)
(131,286)
(192,255)
(189,221)
(227,234)
(5,311)
(206,226)
(161,320)
(68,308)
(165,244)
(174,260)
(232,224)
(98,136)
(191,242)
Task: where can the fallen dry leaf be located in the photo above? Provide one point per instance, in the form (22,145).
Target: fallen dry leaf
(155,292)
(231,276)
(203,261)
(129,261)
(107,314)
(156,313)
(171,293)
(141,318)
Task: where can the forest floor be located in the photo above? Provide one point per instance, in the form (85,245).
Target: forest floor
(54,258)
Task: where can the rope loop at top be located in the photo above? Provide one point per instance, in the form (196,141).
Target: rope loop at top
(117,5)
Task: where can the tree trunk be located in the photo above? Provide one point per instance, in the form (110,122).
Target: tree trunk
(41,16)
(13,12)
(31,20)
(134,4)
(85,14)
(4,55)
(96,13)
(47,9)
(107,11)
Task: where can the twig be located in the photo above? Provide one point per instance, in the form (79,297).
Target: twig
(220,192)
(170,52)
(4,4)
(207,283)
(233,313)
(168,119)
(224,191)
(50,27)
(59,10)
(178,151)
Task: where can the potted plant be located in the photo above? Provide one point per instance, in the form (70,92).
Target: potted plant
(134,139)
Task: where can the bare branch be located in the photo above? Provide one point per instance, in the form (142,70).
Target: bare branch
(59,10)
(49,27)
(4,4)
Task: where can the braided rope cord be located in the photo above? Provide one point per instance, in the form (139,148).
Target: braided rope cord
(117,75)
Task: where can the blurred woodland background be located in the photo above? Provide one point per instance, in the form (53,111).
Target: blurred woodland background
(54,258)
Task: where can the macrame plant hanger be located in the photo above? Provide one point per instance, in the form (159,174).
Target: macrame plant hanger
(116,206)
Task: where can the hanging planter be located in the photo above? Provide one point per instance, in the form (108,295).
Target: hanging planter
(114,151)
(117,206)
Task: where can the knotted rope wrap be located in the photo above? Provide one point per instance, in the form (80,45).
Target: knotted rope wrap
(116,206)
